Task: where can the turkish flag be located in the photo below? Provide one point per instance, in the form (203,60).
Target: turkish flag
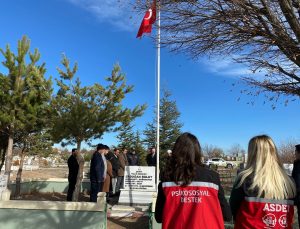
(148,20)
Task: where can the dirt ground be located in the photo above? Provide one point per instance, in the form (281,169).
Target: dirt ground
(43,173)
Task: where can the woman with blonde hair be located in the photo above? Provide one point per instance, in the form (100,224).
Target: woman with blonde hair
(262,194)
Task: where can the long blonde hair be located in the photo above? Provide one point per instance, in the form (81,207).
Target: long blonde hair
(264,167)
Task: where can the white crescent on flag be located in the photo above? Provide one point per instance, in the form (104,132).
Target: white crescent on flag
(150,15)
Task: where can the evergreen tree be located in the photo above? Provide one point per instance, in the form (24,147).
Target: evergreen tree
(24,96)
(139,149)
(169,122)
(150,134)
(170,127)
(86,113)
(131,140)
(126,136)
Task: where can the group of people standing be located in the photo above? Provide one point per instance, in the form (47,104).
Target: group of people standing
(190,195)
(107,169)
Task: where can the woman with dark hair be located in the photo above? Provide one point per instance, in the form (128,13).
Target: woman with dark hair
(190,195)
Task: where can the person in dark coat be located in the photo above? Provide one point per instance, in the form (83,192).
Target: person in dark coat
(296,176)
(133,158)
(97,172)
(113,157)
(123,163)
(240,168)
(151,157)
(73,172)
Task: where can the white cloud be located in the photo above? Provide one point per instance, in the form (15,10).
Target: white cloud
(227,68)
(118,13)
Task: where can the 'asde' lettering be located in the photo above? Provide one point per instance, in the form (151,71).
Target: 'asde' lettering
(276,207)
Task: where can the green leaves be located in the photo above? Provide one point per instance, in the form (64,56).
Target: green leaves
(75,113)
(170,127)
(25,92)
(24,98)
(86,113)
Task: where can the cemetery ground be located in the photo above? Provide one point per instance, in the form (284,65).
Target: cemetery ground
(135,221)
(227,176)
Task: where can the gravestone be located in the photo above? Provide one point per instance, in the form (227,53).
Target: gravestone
(139,185)
(3,182)
(4,192)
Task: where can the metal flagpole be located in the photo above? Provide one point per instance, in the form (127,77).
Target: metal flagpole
(158,94)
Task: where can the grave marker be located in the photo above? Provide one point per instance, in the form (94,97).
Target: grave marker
(139,185)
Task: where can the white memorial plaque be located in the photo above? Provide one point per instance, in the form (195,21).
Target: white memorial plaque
(3,182)
(139,178)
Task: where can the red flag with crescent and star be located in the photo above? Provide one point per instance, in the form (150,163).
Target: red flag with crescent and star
(148,20)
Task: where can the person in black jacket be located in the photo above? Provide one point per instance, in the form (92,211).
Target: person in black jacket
(296,176)
(133,158)
(190,195)
(151,157)
(97,172)
(73,172)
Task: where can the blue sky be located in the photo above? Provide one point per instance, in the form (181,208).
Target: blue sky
(99,33)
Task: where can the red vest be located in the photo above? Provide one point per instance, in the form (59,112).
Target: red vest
(194,206)
(256,213)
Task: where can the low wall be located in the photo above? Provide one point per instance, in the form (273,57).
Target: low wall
(16,214)
(47,185)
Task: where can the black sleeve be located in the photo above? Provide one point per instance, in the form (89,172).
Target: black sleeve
(99,168)
(296,177)
(223,202)
(160,202)
(129,159)
(73,169)
(147,160)
(70,169)
(236,198)
(296,174)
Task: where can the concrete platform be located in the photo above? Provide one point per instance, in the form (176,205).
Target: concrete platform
(136,197)
(128,211)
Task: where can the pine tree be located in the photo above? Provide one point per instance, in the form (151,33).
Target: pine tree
(86,113)
(150,134)
(131,140)
(170,127)
(139,149)
(169,122)
(25,94)
(126,136)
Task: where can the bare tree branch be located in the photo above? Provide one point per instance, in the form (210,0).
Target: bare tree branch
(264,34)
